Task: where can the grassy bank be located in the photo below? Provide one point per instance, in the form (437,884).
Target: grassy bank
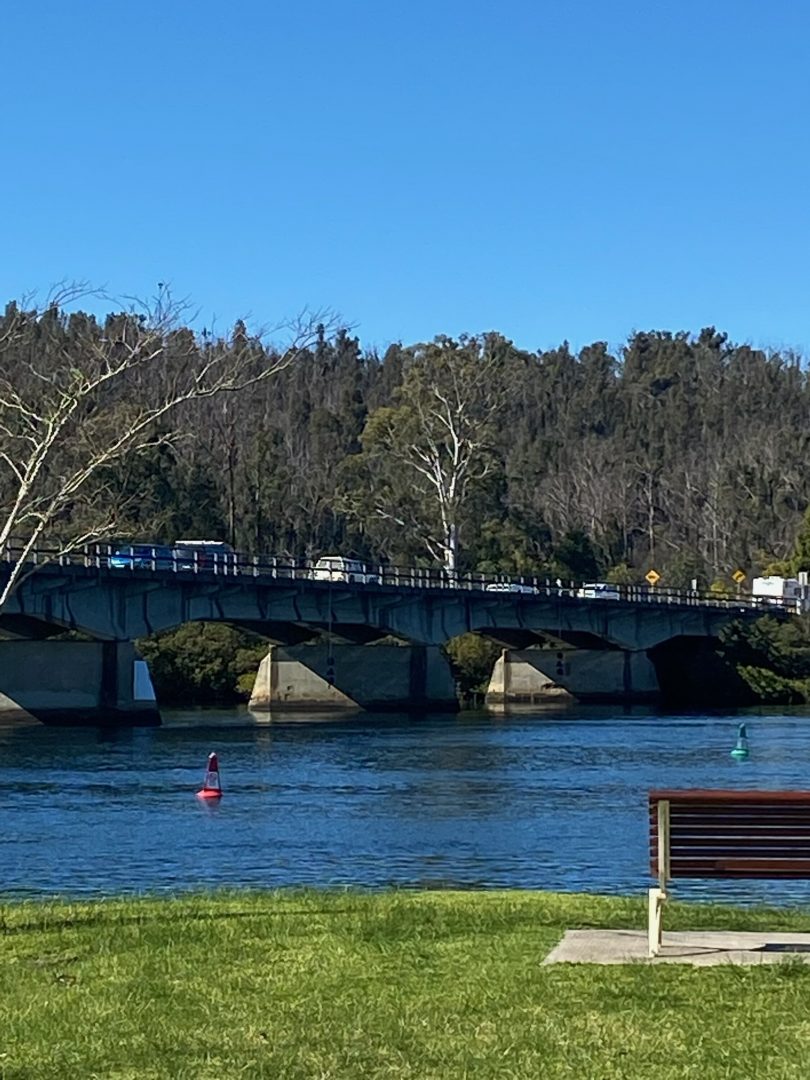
(418,985)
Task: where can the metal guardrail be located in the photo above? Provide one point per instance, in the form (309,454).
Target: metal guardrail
(142,559)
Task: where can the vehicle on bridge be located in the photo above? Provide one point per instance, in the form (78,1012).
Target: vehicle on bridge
(142,557)
(206,555)
(599,590)
(338,568)
(789,593)
(511,587)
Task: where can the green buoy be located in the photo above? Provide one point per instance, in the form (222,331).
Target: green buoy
(740,751)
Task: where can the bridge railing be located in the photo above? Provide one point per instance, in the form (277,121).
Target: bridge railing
(143,558)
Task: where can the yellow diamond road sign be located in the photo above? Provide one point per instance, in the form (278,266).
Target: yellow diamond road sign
(738,576)
(653,577)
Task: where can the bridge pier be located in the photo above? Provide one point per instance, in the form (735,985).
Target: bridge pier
(398,678)
(532,676)
(76,682)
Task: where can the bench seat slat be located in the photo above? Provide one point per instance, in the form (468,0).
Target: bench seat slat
(762,867)
(724,813)
(697,854)
(772,815)
(688,832)
(724,851)
(713,797)
(726,863)
(723,855)
(737,842)
(697,825)
(720,805)
(740,872)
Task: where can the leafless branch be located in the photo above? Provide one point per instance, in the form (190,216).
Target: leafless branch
(77,397)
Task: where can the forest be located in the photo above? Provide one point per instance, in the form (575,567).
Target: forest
(679,451)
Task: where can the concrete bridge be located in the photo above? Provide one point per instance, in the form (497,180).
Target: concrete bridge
(605,647)
(124,605)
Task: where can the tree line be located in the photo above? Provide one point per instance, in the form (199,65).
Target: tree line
(683,452)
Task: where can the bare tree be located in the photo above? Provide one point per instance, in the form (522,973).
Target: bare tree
(77,397)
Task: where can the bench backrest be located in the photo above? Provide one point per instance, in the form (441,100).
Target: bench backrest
(731,834)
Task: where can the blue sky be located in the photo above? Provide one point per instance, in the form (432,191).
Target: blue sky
(549,170)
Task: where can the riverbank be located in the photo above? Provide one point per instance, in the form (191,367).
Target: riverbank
(401,985)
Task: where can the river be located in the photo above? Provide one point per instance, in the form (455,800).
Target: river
(551,799)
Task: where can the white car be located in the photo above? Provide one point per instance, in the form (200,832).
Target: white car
(338,568)
(510,586)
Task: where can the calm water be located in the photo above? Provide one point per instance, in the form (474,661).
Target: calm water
(551,800)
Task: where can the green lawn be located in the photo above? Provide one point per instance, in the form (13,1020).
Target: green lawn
(318,985)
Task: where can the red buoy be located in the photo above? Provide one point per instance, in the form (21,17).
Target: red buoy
(212,788)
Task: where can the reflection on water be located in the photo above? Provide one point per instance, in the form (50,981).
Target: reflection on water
(552,800)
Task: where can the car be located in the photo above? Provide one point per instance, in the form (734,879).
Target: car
(599,590)
(511,587)
(211,555)
(142,557)
(339,568)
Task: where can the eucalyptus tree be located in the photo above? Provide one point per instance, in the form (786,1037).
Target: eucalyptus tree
(426,454)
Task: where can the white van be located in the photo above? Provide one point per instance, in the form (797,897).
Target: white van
(510,586)
(338,568)
(599,590)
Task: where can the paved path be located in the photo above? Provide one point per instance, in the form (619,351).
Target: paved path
(698,947)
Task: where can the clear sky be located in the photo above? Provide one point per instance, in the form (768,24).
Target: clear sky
(575,169)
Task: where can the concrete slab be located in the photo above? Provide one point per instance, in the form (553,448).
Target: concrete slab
(702,948)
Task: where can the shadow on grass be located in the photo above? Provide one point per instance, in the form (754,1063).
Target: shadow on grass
(103,919)
(391,912)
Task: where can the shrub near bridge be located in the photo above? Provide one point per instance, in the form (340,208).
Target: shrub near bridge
(203,664)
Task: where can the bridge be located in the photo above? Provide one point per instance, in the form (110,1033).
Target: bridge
(607,644)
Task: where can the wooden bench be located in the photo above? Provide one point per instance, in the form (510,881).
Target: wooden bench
(725,834)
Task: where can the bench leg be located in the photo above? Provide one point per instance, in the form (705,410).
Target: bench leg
(655,907)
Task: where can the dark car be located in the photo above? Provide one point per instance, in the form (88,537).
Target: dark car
(142,557)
